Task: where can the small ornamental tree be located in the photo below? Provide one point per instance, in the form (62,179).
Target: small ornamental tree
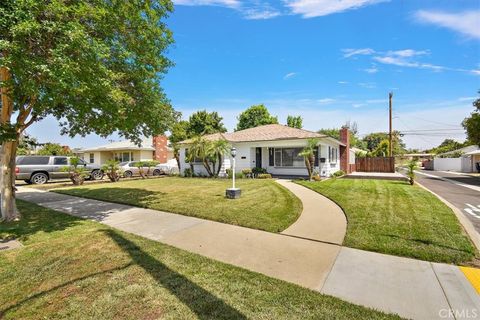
(76,172)
(112,169)
(96,66)
(308,153)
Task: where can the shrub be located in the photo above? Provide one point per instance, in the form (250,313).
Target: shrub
(247,173)
(187,172)
(411,167)
(113,170)
(76,173)
(316,178)
(338,173)
(229,173)
(264,176)
(258,170)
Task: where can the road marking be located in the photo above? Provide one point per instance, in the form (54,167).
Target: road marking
(473,207)
(476,188)
(470,211)
(473,275)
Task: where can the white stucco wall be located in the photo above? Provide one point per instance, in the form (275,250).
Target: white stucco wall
(447,164)
(246,158)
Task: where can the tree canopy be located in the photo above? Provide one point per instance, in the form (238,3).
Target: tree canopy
(96,66)
(203,122)
(255,116)
(472,123)
(54,149)
(295,122)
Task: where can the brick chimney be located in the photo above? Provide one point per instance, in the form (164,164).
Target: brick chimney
(161,151)
(345,151)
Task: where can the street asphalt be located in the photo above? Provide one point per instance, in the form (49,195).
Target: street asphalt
(463,191)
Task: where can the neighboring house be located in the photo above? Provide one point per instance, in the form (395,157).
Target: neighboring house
(155,148)
(276,147)
(461,160)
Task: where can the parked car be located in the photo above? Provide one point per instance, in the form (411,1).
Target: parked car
(130,169)
(171,167)
(40,169)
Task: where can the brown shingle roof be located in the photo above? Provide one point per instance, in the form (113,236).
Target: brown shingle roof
(267,132)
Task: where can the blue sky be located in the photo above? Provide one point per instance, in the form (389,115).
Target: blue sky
(329,61)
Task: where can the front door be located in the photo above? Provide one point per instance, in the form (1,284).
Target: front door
(258,157)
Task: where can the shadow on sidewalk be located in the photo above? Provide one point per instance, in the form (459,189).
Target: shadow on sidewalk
(204,304)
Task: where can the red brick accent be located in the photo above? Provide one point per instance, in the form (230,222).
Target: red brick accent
(345,151)
(161,151)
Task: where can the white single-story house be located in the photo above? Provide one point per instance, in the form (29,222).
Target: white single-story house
(155,148)
(276,148)
(461,160)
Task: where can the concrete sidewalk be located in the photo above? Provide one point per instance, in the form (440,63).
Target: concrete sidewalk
(413,289)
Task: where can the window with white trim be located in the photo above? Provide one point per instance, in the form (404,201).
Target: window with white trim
(289,157)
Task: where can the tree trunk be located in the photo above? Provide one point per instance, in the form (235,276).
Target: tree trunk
(8,207)
(7,181)
(220,162)
(309,168)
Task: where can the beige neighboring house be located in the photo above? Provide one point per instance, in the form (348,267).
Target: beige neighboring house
(156,148)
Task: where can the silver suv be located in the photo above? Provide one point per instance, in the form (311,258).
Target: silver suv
(40,169)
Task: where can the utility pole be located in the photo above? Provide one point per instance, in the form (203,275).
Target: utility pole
(390,133)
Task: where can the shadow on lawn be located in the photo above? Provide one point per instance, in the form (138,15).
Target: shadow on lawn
(35,219)
(130,196)
(431,243)
(204,304)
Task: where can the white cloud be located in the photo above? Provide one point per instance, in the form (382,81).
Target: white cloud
(466,23)
(358,105)
(223,3)
(402,62)
(406,53)
(368,85)
(347,53)
(343,82)
(467,98)
(289,75)
(318,8)
(326,101)
(372,70)
(260,14)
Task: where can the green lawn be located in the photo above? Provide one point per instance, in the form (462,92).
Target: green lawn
(77,269)
(264,204)
(395,218)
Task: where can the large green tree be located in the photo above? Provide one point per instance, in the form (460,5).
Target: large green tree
(255,116)
(472,123)
(203,122)
(94,65)
(376,141)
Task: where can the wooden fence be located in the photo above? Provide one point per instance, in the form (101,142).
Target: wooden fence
(377,164)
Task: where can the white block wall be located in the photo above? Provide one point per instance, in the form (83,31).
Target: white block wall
(447,164)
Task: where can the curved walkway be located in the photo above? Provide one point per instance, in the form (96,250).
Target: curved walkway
(288,257)
(412,288)
(321,218)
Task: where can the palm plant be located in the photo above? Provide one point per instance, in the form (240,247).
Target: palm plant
(76,172)
(201,149)
(112,168)
(411,167)
(308,153)
(219,149)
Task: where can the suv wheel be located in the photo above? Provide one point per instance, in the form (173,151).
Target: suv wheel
(39,178)
(128,174)
(97,175)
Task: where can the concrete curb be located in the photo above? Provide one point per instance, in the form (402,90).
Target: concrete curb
(466,224)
